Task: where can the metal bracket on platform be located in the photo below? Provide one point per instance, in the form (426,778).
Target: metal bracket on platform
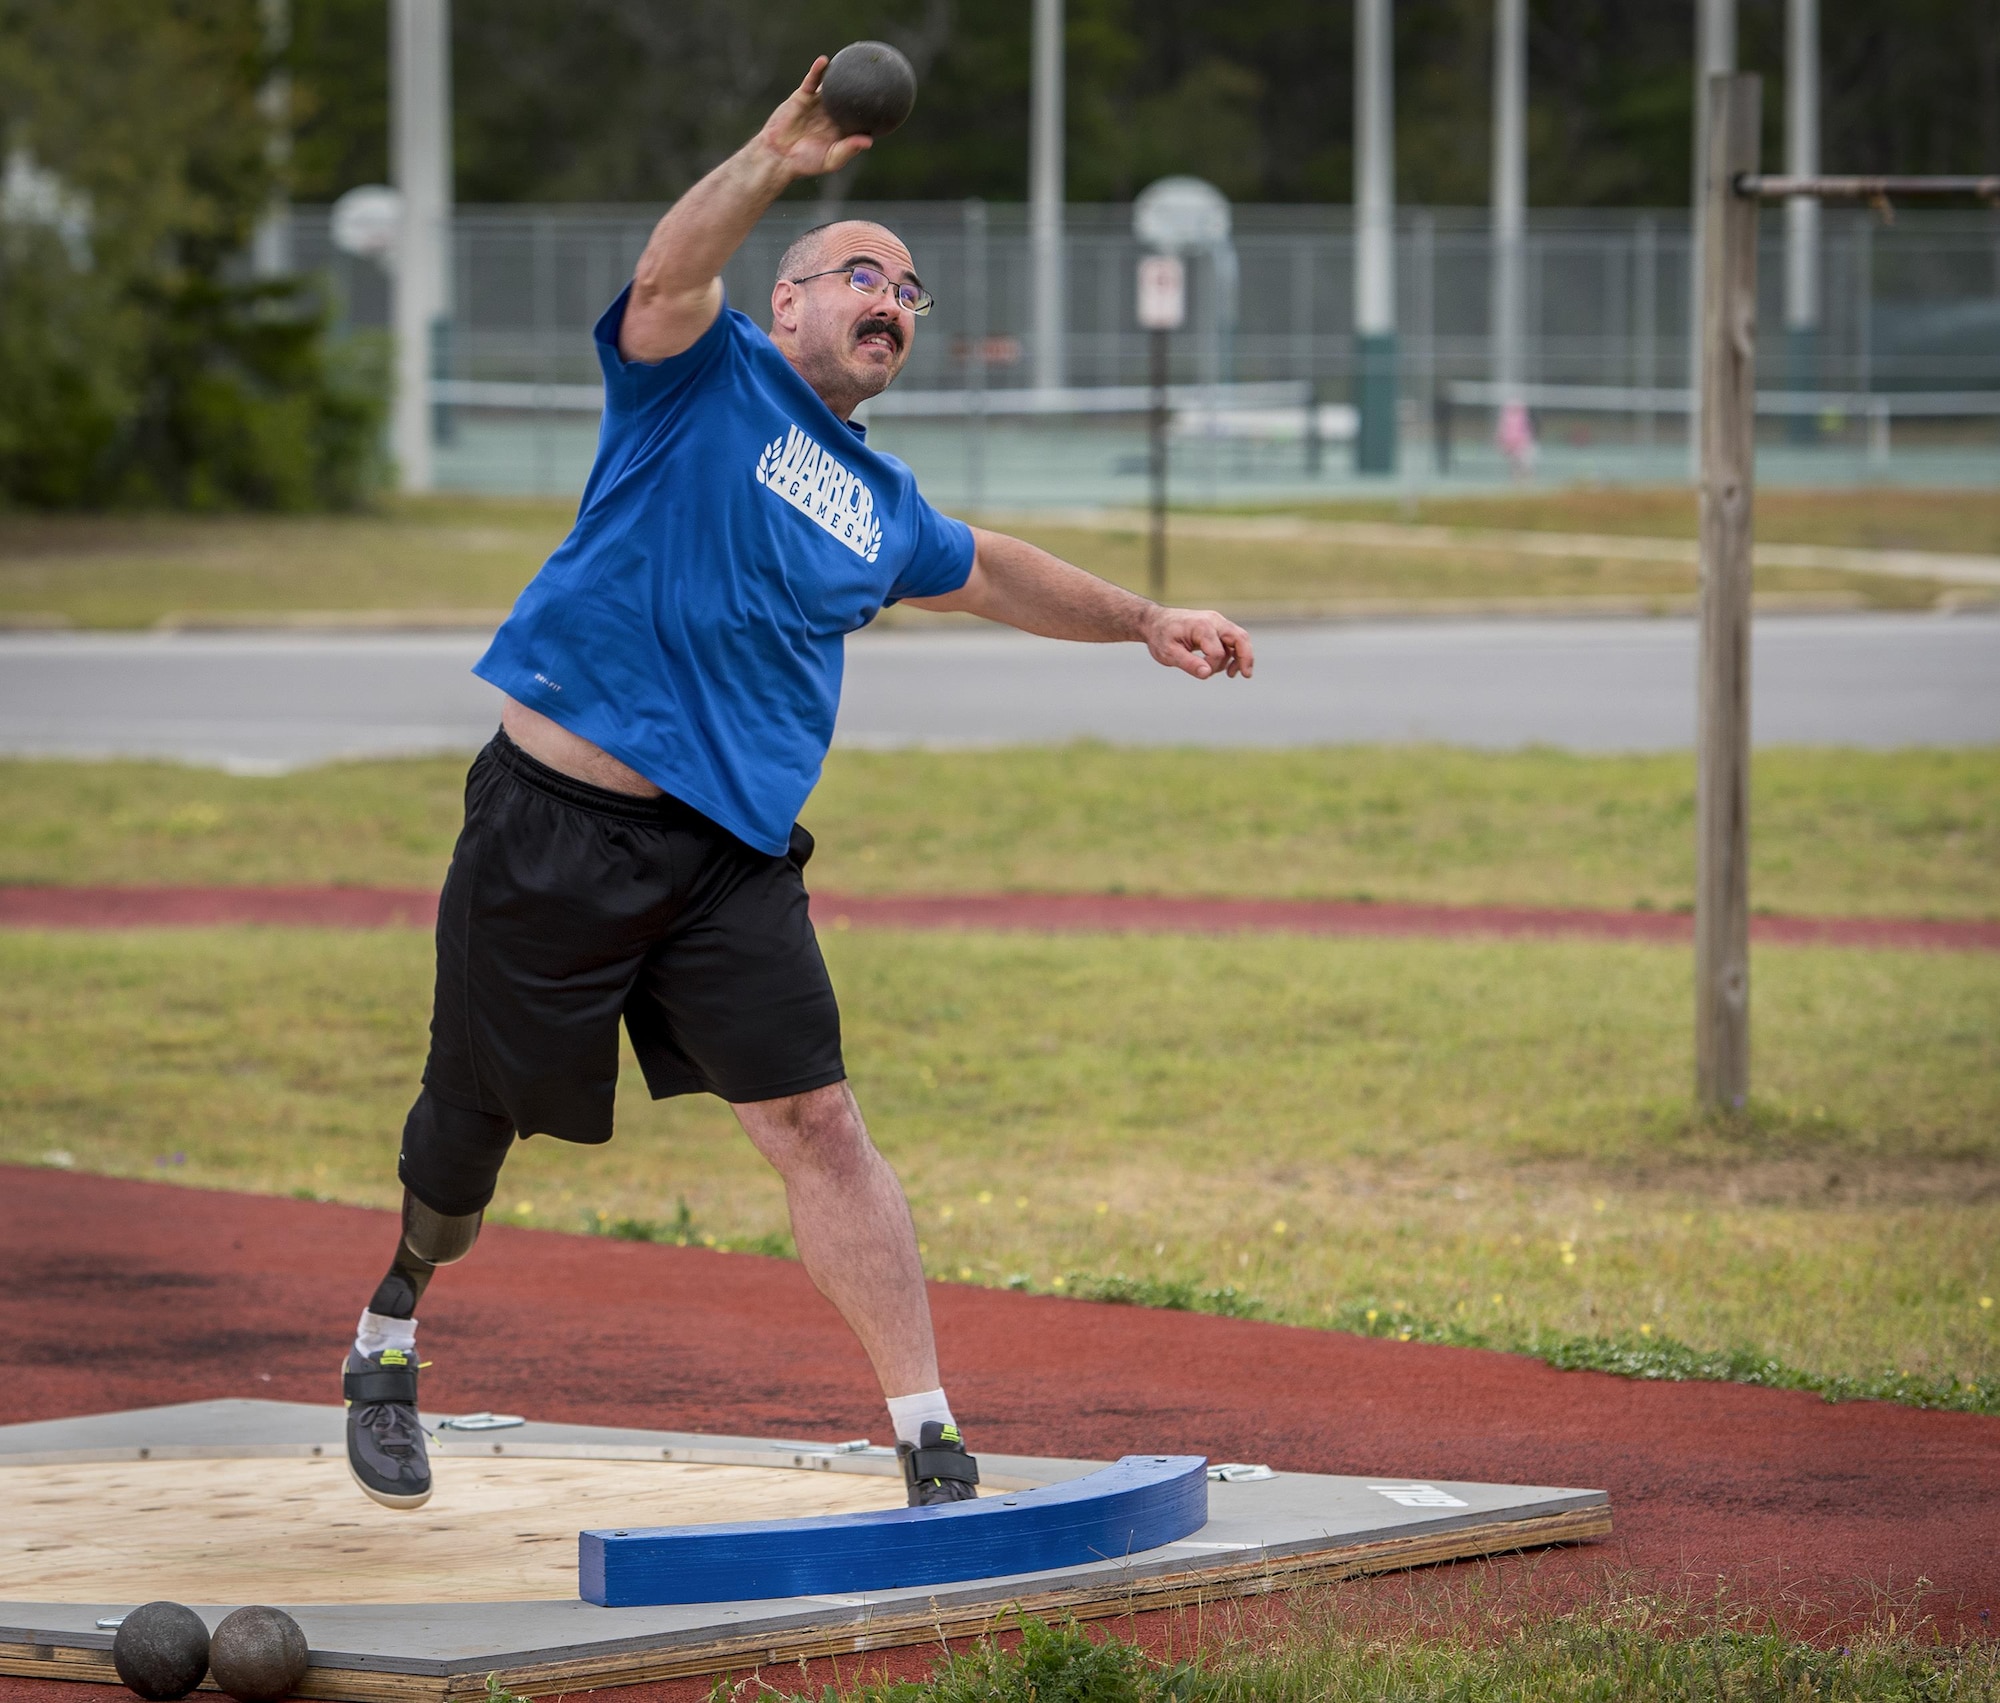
(482,1422)
(1238,1472)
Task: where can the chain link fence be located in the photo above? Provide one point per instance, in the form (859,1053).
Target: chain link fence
(1909,305)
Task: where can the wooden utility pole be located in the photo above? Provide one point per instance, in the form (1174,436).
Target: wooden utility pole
(1726,399)
(1727,402)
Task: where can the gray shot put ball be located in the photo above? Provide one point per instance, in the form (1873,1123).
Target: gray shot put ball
(869,89)
(257,1655)
(161,1651)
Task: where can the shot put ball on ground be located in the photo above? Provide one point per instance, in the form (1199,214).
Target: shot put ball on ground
(161,1651)
(869,88)
(258,1655)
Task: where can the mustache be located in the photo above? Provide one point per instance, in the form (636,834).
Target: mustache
(882,323)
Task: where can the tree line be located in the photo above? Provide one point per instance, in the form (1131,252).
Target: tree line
(630,100)
(139,363)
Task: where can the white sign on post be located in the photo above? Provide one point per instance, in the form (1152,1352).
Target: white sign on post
(1182,215)
(1162,292)
(368,221)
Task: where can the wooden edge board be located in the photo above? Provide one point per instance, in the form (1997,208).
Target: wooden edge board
(933,1622)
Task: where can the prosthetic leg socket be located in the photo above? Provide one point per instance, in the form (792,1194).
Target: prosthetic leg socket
(430,1239)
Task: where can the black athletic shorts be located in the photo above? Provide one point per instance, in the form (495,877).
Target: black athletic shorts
(567,908)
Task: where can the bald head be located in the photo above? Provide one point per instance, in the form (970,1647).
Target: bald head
(846,343)
(808,250)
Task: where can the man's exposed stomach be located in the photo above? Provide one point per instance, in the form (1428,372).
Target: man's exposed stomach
(570,754)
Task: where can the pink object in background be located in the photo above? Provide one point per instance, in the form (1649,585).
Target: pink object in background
(1516,437)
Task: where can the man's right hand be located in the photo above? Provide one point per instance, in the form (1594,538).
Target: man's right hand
(677,285)
(803,138)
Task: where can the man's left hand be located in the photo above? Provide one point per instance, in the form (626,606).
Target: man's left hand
(1199,642)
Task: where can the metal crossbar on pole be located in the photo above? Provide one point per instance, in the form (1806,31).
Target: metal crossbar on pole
(1763,188)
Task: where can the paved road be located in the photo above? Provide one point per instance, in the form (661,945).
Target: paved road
(252,701)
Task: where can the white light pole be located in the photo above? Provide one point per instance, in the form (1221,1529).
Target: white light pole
(420,164)
(1714,54)
(1045,193)
(271,246)
(1374,237)
(1802,211)
(1510,218)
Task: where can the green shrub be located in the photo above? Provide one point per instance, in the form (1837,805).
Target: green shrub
(189,392)
(240,405)
(1050,1664)
(135,367)
(65,371)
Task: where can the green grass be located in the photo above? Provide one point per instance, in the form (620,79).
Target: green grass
(385,824)
(1462,1142)
(1306,577)
(1833,831)
(1893,833)
(1635,1649)
(420,559)
(434,555)
(1490,1139)
(1871,518)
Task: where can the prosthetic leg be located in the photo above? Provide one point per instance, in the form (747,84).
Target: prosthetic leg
(430,1239)
(385,1438)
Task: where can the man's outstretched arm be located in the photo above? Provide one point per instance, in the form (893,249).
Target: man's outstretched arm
(677,285)
(1024,586)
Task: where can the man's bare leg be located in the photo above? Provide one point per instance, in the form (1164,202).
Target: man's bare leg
(853,1227)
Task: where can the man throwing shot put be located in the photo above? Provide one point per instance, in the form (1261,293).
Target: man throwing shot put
(630,847)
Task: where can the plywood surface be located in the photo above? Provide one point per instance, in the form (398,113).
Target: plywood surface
(299,1531)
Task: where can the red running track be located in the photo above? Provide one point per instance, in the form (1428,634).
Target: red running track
(392,907)
(127,1294)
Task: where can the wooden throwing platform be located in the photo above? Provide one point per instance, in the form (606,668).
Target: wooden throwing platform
(499,1529)
(221,1503)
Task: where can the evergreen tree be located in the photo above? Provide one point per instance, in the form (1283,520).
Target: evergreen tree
(135,365)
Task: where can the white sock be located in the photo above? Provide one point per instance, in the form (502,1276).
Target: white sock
(908,1413)
(378,1331)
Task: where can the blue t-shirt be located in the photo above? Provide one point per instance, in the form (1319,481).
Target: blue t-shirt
(733,532)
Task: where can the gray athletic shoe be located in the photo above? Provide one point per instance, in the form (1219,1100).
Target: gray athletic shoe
(385,1439)
(938,1469)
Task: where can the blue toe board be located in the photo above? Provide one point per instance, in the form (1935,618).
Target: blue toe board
(1136,1504)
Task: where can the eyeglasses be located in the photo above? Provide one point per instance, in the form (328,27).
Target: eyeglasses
(909,297)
